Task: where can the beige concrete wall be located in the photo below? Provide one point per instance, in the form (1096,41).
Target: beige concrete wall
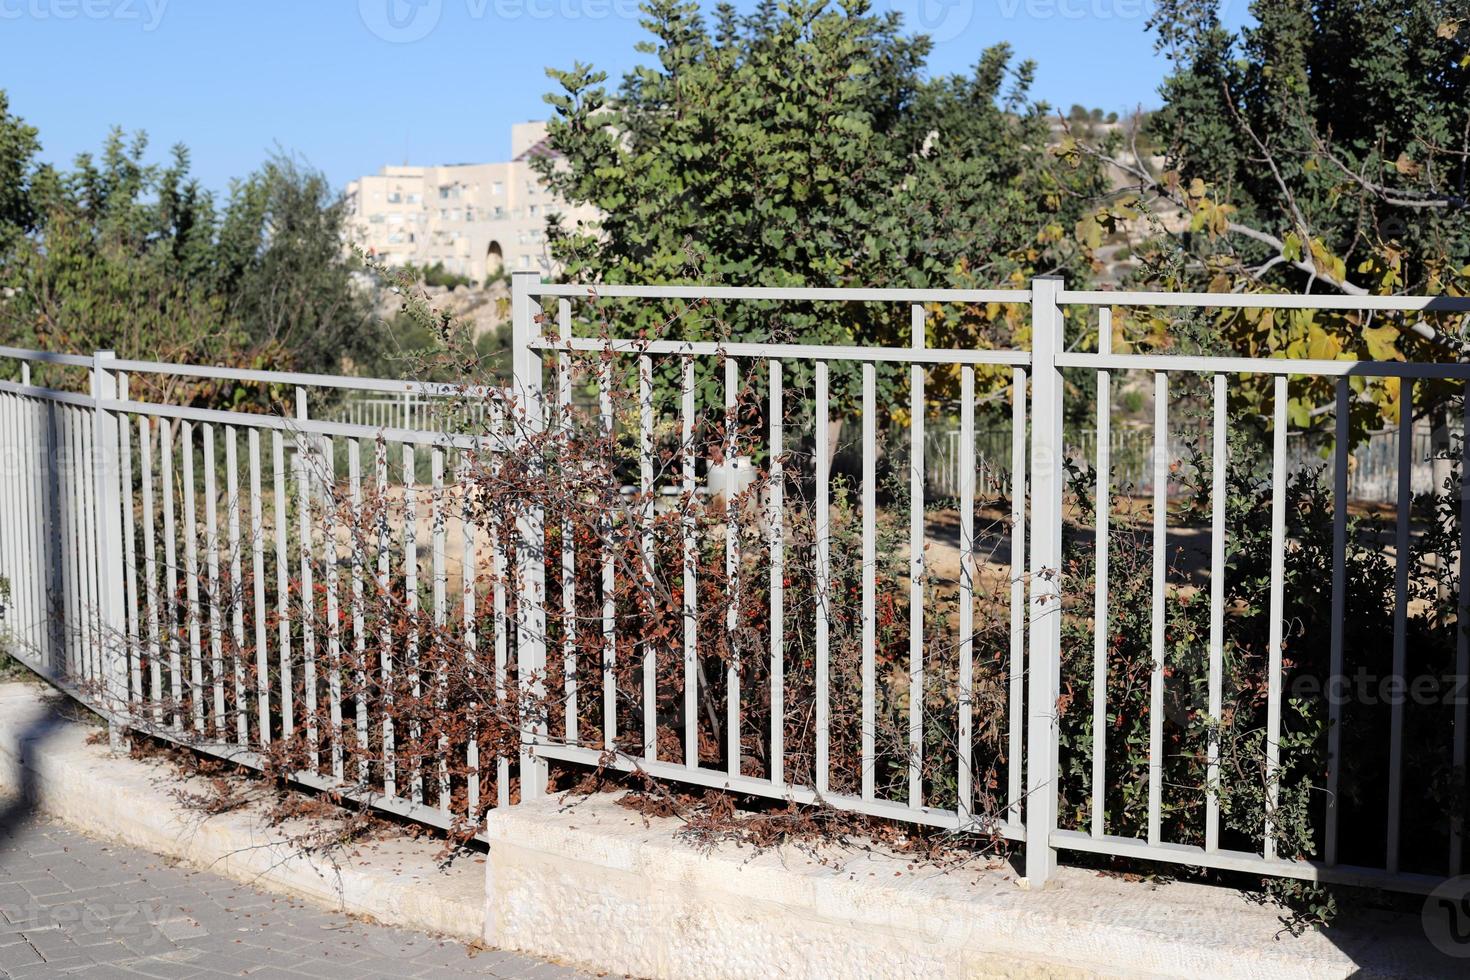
(598,885)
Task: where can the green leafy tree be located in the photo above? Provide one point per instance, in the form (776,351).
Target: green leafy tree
(1325,148)
(801,145)
(19,144)
(127,254)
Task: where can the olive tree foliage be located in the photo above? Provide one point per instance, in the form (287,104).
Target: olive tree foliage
(135,256)
(1323,149)
(802,145)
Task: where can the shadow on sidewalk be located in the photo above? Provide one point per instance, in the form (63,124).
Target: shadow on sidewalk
(17,810)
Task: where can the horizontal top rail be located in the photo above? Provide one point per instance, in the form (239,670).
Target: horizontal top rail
(346,430)
(795,294)
(1267,301)
(50,394)
(45,356)
(292,378)
(815,352)
(1264,365)
(305,380)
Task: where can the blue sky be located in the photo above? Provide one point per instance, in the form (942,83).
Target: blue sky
(355,84)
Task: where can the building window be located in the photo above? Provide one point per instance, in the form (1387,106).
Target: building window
(497,188)
(394,197)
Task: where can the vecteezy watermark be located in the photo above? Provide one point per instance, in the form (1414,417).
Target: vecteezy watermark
(406,21)
(939,20)
(1446,917)
(148,13)
(400,21)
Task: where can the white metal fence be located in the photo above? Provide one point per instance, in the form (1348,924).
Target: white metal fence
(116,583)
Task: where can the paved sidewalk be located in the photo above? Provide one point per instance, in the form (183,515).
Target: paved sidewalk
(69,904)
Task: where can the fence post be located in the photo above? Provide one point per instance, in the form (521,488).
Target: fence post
(1044,652)
(527,387)
(109,495)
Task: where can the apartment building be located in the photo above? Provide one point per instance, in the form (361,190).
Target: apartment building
(477,219)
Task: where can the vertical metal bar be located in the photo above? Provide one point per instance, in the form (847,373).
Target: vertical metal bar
(53,424)
(530,535)
(91,604)
(150,570)
(609,571)
(12,552)
(87,554)
(63,553)
(568,532)
(385,637)
(11,560)
(357,542)
(778,578)
(1101,622)
(196,651)
(67,475)
(471,635)
(211,558)
(282,504)
(1341,454)
(23,522)
(1220,462)
(870,573)
(301,465)
(133,640)
(1016,697)
(645,489)
(733,744)
(823,515)
(411,605)
(691,584)
(502,634)
(191,581)
(26,450)
(171,569)
(1276,610)
(1401,561)
(237,585)
(1462,641)
(257,567)
(331,581)
(40,520)
(1047,341)
(438,522)
(1160,584)
(916,563)
(965,782)
(34,523)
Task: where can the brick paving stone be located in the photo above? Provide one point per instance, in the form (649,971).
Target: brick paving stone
(70,905)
